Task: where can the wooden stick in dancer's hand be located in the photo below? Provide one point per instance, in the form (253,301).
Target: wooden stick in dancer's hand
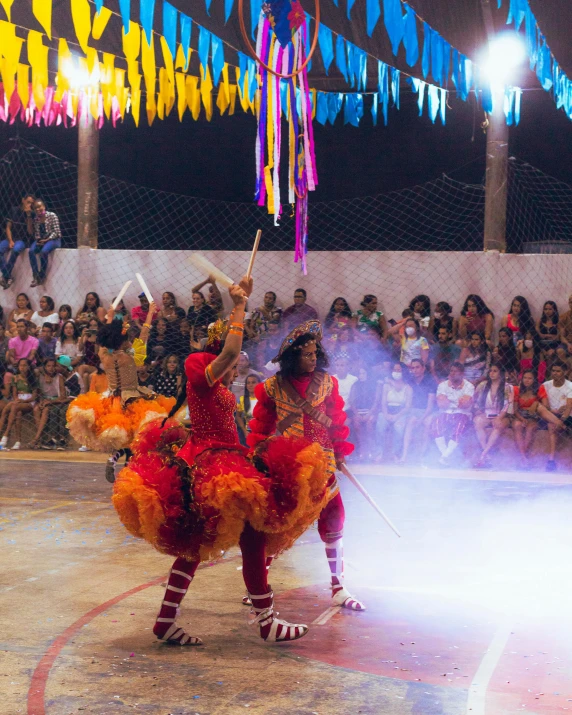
(122,292)
(364,493)
(207,269)
(254,252)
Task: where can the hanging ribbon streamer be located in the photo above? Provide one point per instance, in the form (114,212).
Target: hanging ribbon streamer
(395,74)
(434,101)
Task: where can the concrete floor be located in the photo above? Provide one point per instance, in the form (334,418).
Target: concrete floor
(467,613)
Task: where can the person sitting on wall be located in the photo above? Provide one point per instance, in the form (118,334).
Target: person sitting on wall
(47,237)
(19,234)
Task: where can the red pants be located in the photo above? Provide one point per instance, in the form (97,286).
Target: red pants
(253,547)
(331,521)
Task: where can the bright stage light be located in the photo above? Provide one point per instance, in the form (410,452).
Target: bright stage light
(78,76)
(505,53)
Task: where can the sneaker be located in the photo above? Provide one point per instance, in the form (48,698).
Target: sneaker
(83,448)
(35,283)
(50,444)
(4,442)
(110,471)
(16,445)
(61,446)
(551,465)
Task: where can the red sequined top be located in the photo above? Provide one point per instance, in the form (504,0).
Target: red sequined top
(211,410)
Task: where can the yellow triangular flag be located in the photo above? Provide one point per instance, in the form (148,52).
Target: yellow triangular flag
(182,62)
(222,101)
(38,58)
(23,84)
(7,5)
(132,41)
(81,17)
(206,93)
(181,94)
(193,96)
(120,90)
(233,89)
(161,96)
(136,104)
(42,10)
(168,60)
(99,22)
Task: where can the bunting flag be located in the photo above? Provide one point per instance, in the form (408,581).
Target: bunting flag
(170,26)
(100,22)
(125,10)
(146,15)
(217,58)
(326,46)
(186,26)
(81,18)
(410,41)
(228,5)
(42,10)
(373,13)
(204,49)
(393,19)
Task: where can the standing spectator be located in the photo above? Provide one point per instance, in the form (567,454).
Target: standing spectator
(200,313)
(454,402)
(140,312)
(300,312)
(47,237)
(22,347)
(170,311)
(246,405)
(519,319)
(547,327)
(52,396)
(46,313)
(22,311)
(476,317)
(339,315)
(23,393)
(476,358)
(531,356)
(345,380)
(19,234)
(265,314)
(506,356)
(168,382)
(46,344)
(91,308)
(424,389)
(369,318)
(214,300)
(362,414)
(442,318)
(493,404)
(394,405)
(89,349)
(556,396)
(413,345)
(68,344)
(443,354)
(565,326)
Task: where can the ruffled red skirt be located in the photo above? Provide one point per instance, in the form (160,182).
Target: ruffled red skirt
(198,512)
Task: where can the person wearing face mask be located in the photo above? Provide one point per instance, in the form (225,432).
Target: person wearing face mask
(413,345)
(47,237)
(394,406)
(454,401)
(531,355)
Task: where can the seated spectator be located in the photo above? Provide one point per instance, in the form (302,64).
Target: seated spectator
(64,313)
(556,397)
(528,411)
(46,314)
(19,235)
(265,314)
(413,345)
(52,401)
(519,320)
(98,381)
(298,313)
(339,315)
(396,330)
(394,405)
(246,405)
(442,318)
(475,317)
(563,355)
(370,350)
(170,311)
(91,308)
(200,313)
(183,337)
(476,358)
(424,389)
(22,311)
(4,340)
(168,381)
(73,381)
(89,349)
(345,380)
(23,396)
(140,312)
(243,370)
(22,347)
(214,299)
(547,327)
(454,403)
(421,307)
(46,344)
(443,354)
(69,344)
(270,347)
(47,237)
(345,340)
(565,326)
(145,375)
(493,407)
(362,414)
(531,355)
(369,318)
(505,356)
(162,342)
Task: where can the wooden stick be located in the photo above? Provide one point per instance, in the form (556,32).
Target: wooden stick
(208,269)
(254,252)
(122,292)
(144,287)
(364,493)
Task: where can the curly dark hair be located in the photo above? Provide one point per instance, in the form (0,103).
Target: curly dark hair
(111,336)
(289,360)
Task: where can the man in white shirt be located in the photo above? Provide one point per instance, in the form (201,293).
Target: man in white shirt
(454,400)
(556,396)
(345,380)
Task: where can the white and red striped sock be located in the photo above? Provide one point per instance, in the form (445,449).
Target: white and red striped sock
(340,595)
(272,629)
(180,577)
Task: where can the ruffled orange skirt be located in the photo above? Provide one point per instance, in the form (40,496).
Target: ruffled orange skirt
(104,425)
(199,512)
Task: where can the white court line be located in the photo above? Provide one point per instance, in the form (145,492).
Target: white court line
(326,615)
(476,702)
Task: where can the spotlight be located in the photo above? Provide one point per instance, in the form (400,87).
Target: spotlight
(505,53)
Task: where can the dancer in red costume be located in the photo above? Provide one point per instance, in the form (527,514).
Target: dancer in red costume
(302,400)
(194,498)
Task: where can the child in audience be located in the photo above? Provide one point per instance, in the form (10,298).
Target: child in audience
(68,343)
(23,397)
(168,381)
(52,401)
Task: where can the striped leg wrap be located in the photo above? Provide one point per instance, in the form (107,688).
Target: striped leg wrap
(246,599)
(340,595)
(165,628)
(271,628)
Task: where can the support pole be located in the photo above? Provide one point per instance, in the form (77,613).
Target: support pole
(87,182)
(496,176)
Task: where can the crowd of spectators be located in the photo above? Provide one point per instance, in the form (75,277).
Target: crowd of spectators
(416,383)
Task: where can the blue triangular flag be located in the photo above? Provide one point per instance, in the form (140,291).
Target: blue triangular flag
(146,12)
(326,42)
(217,58)
(410,40)
(186,25)
(204,48)
(170,26)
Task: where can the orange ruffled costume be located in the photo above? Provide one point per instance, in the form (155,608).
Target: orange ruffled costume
(198,512)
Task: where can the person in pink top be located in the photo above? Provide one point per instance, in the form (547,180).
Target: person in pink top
(140,312)
(23,345)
